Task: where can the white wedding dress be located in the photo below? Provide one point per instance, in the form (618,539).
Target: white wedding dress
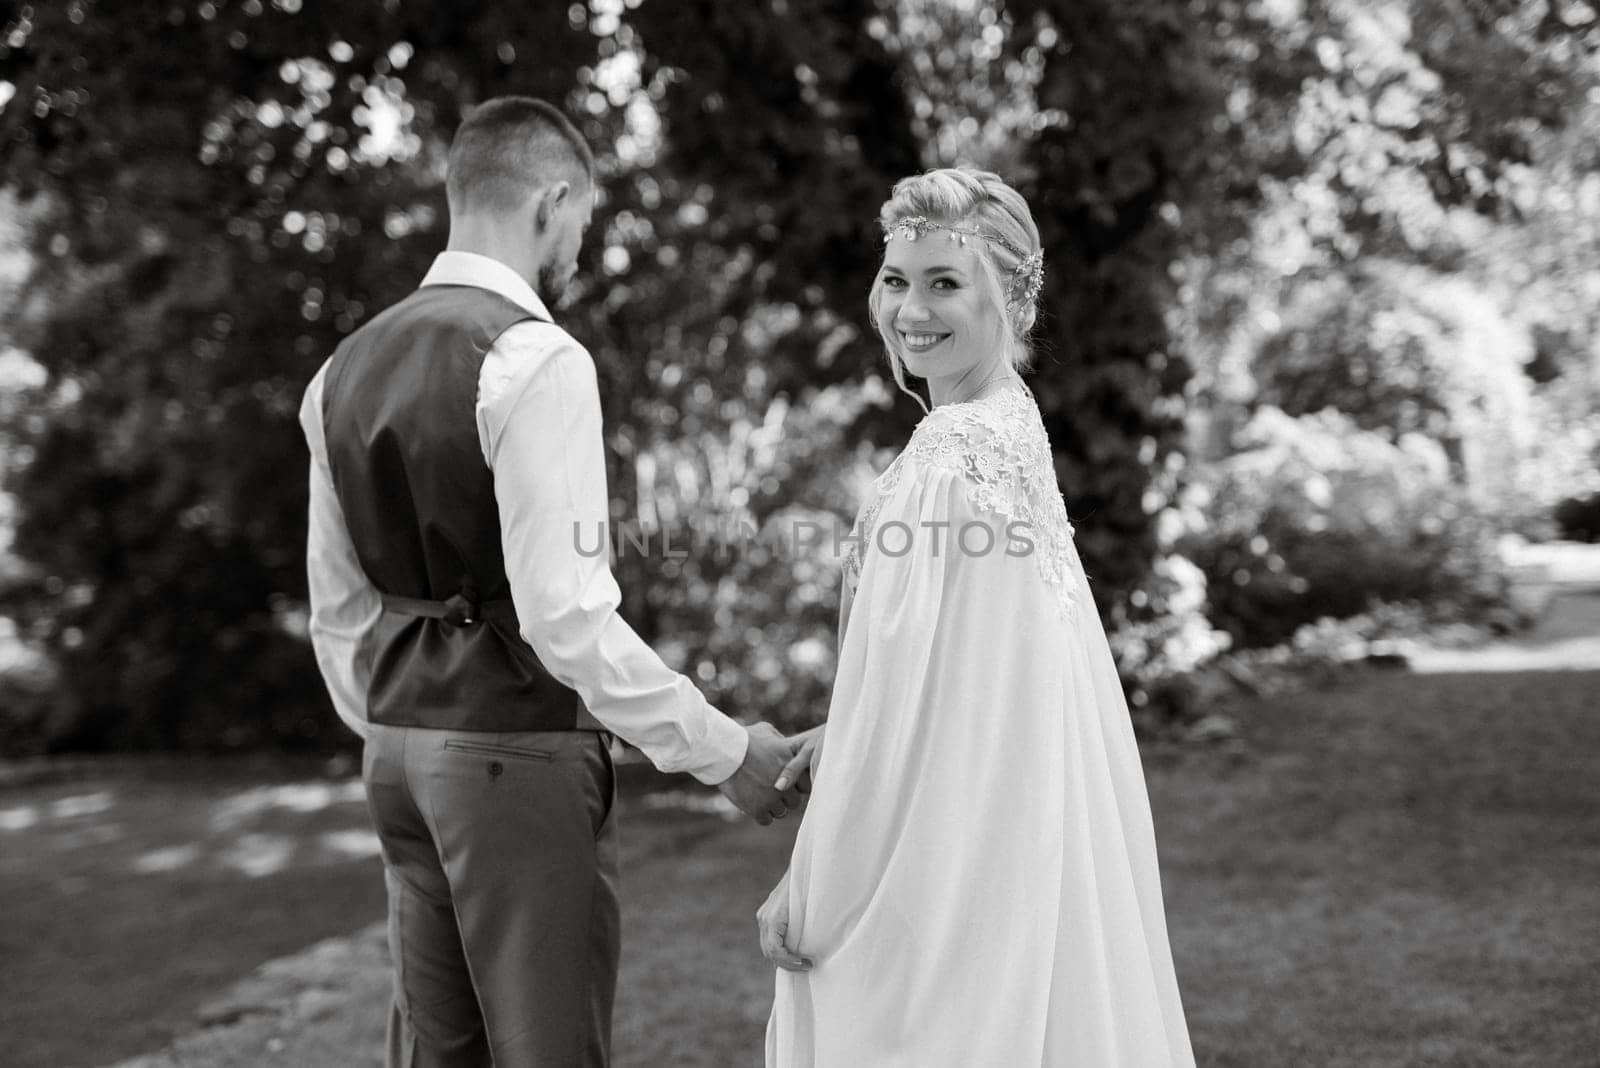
(975,878)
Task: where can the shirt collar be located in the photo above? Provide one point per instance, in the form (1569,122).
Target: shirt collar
(453,268)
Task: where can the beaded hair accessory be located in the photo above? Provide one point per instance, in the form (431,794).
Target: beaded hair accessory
(1027,278)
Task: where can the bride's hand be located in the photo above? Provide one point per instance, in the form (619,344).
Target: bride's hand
(772,919)
(802,767)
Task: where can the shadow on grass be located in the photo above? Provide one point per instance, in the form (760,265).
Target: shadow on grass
(134,892)
(138,892)
(1396,872)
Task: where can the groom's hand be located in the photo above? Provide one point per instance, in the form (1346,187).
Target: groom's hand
(751,787)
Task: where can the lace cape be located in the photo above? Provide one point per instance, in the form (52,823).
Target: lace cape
(999,445)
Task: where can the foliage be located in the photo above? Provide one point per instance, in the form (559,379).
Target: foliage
(1409,350)
(1412,132)
(1244,204)
(1314,517)
(740,247)
(1329,651)
(213,207)
(1124,98)
(1416,258)
(218,192)
(744,600)
(1163,647)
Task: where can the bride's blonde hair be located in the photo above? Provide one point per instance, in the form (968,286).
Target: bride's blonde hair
(1007,240)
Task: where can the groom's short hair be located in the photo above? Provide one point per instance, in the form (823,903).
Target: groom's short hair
(510,146)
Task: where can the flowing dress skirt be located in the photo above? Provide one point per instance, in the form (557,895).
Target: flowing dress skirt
(976,874)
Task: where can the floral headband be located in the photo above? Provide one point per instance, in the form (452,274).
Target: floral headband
(1027,278)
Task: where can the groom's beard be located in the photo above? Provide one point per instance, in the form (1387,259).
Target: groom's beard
(553,281)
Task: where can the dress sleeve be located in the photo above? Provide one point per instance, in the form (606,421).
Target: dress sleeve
(935,556)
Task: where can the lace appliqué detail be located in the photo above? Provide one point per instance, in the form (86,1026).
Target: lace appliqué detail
(1000,445)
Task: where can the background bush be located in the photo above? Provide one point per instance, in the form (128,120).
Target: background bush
(1314,517)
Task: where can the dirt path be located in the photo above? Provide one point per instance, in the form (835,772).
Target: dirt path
(323,1006)
(1561,583)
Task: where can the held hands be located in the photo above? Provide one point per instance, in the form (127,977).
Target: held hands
(752,788)
(772,919)
(801,771)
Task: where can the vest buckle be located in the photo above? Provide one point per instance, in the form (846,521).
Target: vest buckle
(460,612)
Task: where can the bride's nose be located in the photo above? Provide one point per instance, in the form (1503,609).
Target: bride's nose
(912,312)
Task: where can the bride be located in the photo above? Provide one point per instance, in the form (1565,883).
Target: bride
(975,882)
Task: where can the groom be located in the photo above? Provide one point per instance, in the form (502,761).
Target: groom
(455,451)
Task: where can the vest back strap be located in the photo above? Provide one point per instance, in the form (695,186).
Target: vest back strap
(457,611)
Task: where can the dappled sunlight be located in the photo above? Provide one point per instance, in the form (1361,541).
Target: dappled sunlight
(26,817)
(351,843)
(20,818)
(123,892)
(186,828)
(304,797)
(249,831)
(689,801)
(266,830)
(257,855)
(165,860)
(68,808)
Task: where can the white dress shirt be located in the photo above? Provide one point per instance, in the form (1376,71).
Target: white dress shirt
(538,414)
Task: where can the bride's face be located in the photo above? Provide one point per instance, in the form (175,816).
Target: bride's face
(933,308)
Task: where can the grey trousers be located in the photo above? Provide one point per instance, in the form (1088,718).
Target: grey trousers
(500,855)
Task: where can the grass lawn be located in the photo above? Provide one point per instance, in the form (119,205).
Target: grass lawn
(1397,872)
(1402,872)
(133,893)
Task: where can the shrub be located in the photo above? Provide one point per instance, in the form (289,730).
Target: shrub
(1314,517)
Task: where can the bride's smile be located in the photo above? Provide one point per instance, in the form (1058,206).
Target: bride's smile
(921,342)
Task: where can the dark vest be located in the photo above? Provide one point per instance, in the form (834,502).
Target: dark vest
(398,409)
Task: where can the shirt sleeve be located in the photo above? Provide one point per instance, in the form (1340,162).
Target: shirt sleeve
(344,606)
(540,426)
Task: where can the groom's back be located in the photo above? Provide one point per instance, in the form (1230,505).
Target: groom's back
(398,412)
(418,501)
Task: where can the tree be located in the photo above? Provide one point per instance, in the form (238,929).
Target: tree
(214,192)
(1410,262)
(218,192)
